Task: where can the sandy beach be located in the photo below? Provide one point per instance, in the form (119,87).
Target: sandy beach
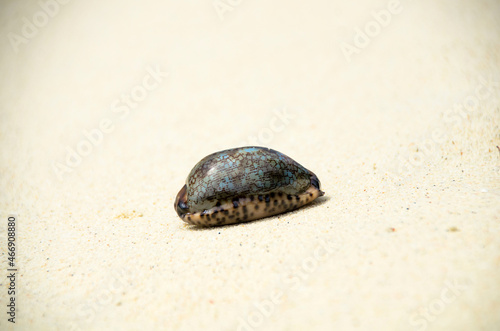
(106,106)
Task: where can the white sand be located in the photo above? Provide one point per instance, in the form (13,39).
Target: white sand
(394,244)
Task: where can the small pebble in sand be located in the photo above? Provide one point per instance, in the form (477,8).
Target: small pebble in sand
(244,184)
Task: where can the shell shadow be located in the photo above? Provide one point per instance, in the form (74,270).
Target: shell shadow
(317,202)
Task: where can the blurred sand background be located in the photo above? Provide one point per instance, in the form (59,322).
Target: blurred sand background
(402,132)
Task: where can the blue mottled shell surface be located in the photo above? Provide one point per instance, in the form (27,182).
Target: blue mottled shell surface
(240,183)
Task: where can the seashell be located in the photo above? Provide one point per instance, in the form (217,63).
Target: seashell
(244,184)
